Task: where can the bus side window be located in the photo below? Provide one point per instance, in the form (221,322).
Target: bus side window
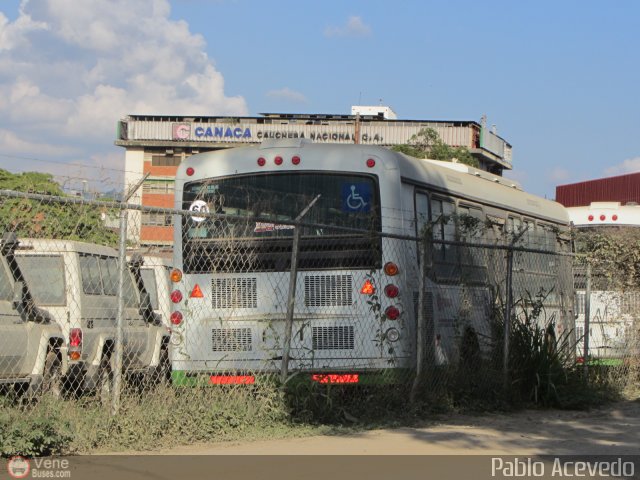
(422,212)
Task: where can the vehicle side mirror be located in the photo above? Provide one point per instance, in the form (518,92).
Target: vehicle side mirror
(146,309)
(18,294)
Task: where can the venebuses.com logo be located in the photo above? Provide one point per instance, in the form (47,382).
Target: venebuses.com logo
(21,467)
(18,467)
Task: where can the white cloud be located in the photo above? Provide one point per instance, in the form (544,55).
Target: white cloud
(288,95)
(69,70)
(355,27)
(630,165)
(12,146)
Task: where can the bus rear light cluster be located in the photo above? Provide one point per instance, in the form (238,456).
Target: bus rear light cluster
(75,343)
(176,296)
(176,318)
(391,291)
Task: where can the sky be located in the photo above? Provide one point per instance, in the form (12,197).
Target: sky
(560,80)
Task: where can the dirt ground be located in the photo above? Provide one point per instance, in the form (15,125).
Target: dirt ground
(612,430)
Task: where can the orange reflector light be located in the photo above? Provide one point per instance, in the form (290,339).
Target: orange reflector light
(176,275)
(335,378)
(196,292)
(232,379)
(368,288)
(74,355)
(391,269)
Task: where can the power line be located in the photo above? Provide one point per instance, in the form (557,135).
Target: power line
(72,164)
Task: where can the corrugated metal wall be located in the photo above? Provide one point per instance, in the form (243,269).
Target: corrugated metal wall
(623,189)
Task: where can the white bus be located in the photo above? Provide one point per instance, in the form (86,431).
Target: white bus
(613,312)
(356,304)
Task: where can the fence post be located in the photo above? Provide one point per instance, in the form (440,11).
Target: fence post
(288,326)
(507,317)
(421,327)
(122,271)
(122,265)
(587,321)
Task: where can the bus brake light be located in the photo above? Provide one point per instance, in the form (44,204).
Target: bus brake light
(391,291)
(176,318)
(392,313)
(335,378)
(232,379)
(368,288)
(176,296)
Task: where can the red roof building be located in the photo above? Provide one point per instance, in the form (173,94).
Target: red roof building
(624,189)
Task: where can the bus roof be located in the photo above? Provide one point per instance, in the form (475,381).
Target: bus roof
(447,178)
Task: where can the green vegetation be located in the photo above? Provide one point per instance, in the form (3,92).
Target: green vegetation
(613,253)
(428,144)
(41,219)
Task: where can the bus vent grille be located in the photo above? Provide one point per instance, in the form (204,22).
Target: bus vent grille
(328,290)
(231,340)
(234,293)
(333,338)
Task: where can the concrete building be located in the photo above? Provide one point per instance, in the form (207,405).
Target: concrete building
(157,144)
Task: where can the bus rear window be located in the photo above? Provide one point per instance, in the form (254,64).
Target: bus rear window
(261,203)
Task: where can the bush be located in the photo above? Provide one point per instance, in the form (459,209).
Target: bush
(33,432)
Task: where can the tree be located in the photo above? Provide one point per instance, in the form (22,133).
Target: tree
(46,218)
(428,144)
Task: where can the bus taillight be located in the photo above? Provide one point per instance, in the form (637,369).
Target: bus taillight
(190,171)
(176,275)
(176,318)
(391,291)
(176,296)
(371,163)
(295,160)
(278,160)
(391,269)
(392,313)
(262,162)
(75,343)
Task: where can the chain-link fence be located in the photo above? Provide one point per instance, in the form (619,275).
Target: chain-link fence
(607,319)
(95,304)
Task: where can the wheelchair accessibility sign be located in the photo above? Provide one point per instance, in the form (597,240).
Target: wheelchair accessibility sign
(356,197)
